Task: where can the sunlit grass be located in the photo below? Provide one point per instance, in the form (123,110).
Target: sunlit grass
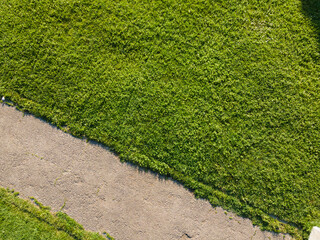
(220,95)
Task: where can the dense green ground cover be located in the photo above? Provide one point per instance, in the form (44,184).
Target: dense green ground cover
(223,96)
(20,219)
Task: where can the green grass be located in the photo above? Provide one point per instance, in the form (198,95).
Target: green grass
(223,96)
(20,219)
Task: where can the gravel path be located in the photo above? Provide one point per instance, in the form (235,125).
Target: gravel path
(103,194)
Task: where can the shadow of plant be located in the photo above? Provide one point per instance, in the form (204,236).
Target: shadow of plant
(312,9)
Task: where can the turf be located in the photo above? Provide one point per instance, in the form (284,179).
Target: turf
(222,96)
(20,219)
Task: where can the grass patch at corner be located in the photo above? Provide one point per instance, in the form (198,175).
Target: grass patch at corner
(20,219)
(223,96)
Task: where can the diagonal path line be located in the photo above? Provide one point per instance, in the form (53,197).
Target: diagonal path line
(103,194)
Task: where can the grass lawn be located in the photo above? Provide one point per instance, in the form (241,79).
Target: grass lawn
(223,96)
(20,219)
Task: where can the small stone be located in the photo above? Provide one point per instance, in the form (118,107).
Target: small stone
(315,234)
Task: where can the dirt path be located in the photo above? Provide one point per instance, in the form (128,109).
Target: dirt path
(102,193)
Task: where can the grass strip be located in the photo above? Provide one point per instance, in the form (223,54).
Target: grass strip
(20,219)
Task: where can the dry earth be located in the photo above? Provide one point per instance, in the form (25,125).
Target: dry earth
(103,194)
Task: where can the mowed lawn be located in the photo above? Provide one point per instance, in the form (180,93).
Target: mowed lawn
(19,219)
(223,96)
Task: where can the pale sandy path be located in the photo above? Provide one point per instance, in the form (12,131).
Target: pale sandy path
(104,194)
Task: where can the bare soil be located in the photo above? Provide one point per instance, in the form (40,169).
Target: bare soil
(92,186)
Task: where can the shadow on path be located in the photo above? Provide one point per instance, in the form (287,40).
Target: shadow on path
(312,9)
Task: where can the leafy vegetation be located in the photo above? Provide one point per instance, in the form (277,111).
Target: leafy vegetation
(20,219)
(222,96)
